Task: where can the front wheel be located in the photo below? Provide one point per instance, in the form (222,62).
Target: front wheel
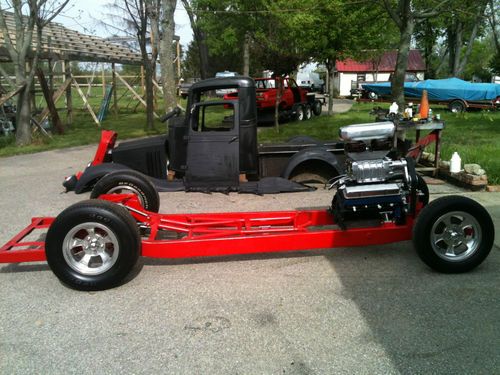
(92,245)
(129,182)
(453,234)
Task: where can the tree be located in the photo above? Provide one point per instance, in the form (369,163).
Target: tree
(476,67)
(199,37)
(427,34)
(167,26)
(143,16)
(492,15)
(30,17)
(406,14)
(330,30)
(464,22)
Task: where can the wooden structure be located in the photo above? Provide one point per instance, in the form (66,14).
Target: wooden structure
(60,44)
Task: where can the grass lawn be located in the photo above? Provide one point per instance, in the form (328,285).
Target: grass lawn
(475,135)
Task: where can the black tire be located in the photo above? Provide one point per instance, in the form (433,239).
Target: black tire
(317,107)
(456,106)
(129,182)
(307,112)
(422,191)
(456,247)
(92,245)
(299,113)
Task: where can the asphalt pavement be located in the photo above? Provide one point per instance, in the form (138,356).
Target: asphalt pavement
(372,310)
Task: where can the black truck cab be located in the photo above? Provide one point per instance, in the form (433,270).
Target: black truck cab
(216,141)
(213,147)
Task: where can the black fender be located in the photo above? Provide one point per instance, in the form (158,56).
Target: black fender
(93,173)
(313,153)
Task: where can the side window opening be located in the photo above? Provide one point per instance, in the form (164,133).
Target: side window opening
(212,116)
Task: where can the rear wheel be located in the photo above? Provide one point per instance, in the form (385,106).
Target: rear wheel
(92,245)
(299,113)
(453,234)
(456,106)
(307,112)
(129,182)
(317,107)
(313,171)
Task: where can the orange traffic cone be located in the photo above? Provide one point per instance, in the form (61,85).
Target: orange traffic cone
(424,106)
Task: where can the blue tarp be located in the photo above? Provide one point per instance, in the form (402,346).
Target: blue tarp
(441,89)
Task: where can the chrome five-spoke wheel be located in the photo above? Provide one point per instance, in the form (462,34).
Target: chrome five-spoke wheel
(456,236)
(90,248)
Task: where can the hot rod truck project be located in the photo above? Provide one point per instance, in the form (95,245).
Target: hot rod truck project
(95,244)
(213,148)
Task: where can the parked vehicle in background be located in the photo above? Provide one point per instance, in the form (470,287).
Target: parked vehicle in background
(184,86)
(457,94)
(295,102)
(224,74)
(357,90)
(310,81)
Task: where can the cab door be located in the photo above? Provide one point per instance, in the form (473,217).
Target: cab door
(213,146)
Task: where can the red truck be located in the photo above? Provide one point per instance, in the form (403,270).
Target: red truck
(295,102)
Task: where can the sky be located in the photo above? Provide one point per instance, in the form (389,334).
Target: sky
(84,16)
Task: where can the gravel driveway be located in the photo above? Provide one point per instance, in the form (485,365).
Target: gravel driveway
(365,311)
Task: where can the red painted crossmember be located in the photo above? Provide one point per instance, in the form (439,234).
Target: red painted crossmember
(21,248)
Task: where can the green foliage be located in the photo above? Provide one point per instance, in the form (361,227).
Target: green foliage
(476,67)
(495,63)
(286,33)
(331,29)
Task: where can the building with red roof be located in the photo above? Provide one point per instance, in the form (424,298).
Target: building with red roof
(349,73)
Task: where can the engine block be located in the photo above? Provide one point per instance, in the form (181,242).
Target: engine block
(375,186)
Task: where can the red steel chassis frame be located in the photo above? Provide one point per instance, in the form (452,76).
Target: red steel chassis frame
(217,234)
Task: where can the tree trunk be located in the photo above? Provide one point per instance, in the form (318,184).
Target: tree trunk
(203,51)
(429,42)
(330,67)
(149,97)
(23,116)
(398,78)
(455,32)
(246,55)
(167,55)
(279,95)
(462,61)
